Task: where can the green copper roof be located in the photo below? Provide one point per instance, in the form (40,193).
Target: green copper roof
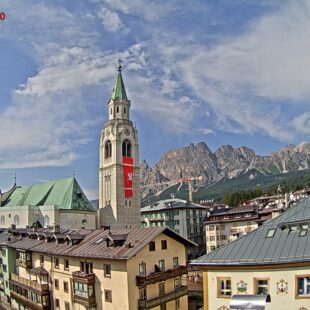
(119,92)
(65,194)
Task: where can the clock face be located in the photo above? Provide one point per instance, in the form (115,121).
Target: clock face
(127,132)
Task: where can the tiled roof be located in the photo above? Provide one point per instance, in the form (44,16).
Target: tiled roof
(95,245)
(65,194)
(255,248)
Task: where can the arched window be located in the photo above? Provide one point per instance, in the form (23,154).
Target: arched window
(125,110)
(2,220)
(16,220)
(46,221)
(117,109)
(108,149)
(126,148)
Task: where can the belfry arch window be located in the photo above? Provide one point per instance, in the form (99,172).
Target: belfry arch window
(108,149)
(126,148)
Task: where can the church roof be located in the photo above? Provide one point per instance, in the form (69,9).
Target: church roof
(64,193)
(119,91)
(282,240)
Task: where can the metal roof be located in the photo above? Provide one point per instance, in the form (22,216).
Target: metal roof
(255,248)
(119,92)
(64,193)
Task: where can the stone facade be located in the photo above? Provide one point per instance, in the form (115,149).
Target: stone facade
(114,209)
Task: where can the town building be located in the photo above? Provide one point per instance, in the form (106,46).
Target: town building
(94,269)
(61,203)
(181,216)
(268,268)
(119,168)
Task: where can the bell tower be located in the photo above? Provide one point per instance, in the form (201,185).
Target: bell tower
(119,170)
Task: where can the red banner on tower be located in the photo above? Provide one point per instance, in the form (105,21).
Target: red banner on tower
(128,176)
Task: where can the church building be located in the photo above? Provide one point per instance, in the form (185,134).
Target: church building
(119,171)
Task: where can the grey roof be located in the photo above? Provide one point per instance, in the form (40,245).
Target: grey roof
(171,204)
(286,246)
(94,244)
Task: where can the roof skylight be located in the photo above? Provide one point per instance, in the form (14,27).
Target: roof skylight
(271,232)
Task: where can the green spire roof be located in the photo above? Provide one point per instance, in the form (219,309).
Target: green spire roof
(119,92)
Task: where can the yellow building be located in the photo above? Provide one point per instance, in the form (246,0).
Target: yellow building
(98,269)
(268,268)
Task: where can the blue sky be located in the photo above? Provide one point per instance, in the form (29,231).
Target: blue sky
(222,71)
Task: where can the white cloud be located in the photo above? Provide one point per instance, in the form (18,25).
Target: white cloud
(302,123)
(206,131)
(249,80)
(147,9)
(111,20)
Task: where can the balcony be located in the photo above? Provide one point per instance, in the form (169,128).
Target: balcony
(85,301)
(157,301)
(28,303)
(42,289)
(155,277)
(87,278)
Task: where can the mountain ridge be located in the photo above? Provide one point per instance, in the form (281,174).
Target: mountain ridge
(225,162)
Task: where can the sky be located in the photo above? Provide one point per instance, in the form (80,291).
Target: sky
(219,71)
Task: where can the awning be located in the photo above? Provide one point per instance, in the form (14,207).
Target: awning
(241,302)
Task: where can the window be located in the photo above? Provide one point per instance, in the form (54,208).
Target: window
(86,267)
(42,260)
(152,246)
(142,293)
(108,295)
(175,261)
(163,307)
(223,237)
(117,109)
(56,284)
(46,221)
(212,248)
(161,264)
(107,270)
(142,270)
(261,286)
(161,288)
(177,304)
(164,244)
(67,305)
(111,111)
(303,286)
(66,287)
(16,220)
(212,238)
(177,283)
(126,148)
(56,262)
(211,228)
(66,264)
(223,287)
(2,220)
(108,149)
(4,268)
(270,233)
(124,110)
(57,304)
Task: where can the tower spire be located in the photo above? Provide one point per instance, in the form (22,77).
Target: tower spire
(119,91)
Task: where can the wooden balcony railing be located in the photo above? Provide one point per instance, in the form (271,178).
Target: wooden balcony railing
(157,301)
(29,284)
(79,276)
(160,276)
